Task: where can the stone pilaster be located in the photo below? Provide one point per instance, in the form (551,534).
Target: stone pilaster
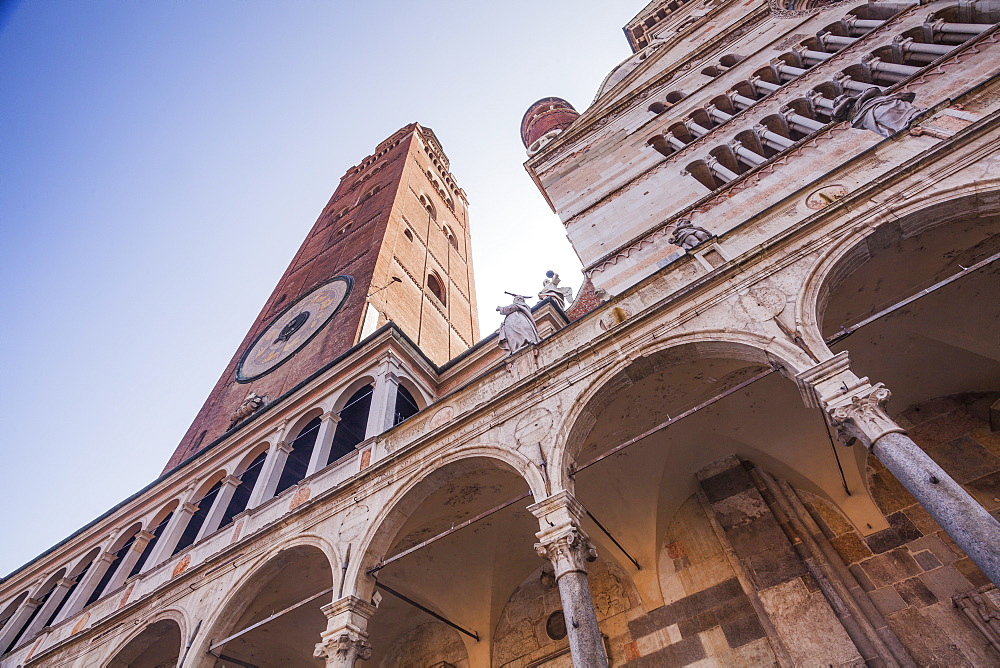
(563,542)
(324,440)
(857,410)
(346,637)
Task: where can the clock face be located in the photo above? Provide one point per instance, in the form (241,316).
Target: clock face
(293,328)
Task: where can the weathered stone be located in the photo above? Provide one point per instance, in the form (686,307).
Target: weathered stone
(741,631)
(915,593)
(926,560)
(945,582)
(775,566)
(851,548)
(681,653)
(725,484)
(972,573)
(890,567)
(965,459)
(887,600)
(986,490)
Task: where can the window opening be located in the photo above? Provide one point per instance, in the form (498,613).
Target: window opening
(110,573)
(297,462)
(353,424)
(435,286)
(406,405)
(241,495)
(150,545)
(194,524)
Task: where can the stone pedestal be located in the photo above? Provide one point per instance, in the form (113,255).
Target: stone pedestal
(568,547)
(346,637)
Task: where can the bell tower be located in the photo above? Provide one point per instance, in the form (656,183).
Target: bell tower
(392,244)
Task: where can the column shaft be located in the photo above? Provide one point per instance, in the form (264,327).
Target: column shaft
(219,505)
(586,645)
(961,516)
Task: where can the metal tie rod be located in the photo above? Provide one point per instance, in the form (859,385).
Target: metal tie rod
(211,650)
(401,597)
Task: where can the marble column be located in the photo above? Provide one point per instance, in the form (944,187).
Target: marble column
(59,592)
(563,542)
(164,548)
(78,599)
(346,637)
(267,482)
(16,622)
(383,408)
(857,409)
(222,498)
(128,560)
(324,440)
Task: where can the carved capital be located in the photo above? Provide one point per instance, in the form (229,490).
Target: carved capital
(863,417)
(343,648)
(569,551)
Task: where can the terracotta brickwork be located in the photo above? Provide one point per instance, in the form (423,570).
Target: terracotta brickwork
(361,233)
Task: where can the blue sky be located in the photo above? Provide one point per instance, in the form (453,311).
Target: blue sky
(160,162)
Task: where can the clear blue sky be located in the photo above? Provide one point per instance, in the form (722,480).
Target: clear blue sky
(161,161)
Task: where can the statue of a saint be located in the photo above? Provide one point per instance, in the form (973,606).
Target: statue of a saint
(518,328)
(687,235)
(883,114)
(551,290)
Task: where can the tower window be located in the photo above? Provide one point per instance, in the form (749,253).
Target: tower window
(451,237)
(426,203)
(408,234)
(436,287)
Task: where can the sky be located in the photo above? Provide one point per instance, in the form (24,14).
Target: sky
(161,162)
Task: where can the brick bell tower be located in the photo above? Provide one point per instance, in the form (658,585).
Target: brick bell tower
(391,244)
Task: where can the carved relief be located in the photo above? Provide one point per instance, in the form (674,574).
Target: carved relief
(820,198)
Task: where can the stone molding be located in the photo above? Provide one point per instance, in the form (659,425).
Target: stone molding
(343,648)
(562,541)
(346,637)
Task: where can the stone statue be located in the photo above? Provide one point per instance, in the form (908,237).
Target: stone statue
(253,403)
(687,235)
(883,114)
(518,328)
(551,290)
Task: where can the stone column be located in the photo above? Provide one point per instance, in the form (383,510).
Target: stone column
(346,637)
(567,546)
(78,599)
(16,622)
(128,560)
(857,408)
(267,482)
(59,592)
(222,498)
(380,417)
(324,440)
(172,533)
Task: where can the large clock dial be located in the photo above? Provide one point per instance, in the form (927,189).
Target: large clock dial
(293,328)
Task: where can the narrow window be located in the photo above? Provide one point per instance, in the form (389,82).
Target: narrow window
(241,495)
(435,286)
(194,524)
(406,405)
(298,459)
(353,424)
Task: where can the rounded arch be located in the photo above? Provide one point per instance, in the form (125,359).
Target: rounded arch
(249,458)
(158,643)
(163,512)
(350,390)
(124,536)
(383,528)
(83,562)
(207,484)
(851,251)
(236,610)
(705,344)
(301,422)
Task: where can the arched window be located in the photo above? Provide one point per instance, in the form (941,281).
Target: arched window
(428,207)
(194,524)
(436,287)
(450,234)
(241,495)
(7,615)
(42,596)
(406,405)
(408,234)
(157,531)
(353,424)
(115,564)
(297,462)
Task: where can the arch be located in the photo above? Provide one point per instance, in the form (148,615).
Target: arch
(269,585)
(715,344)
(383,528)
(32,624)
(248,471)
(425,202)
(206,496)
(405,405)
(842,257)
(352,426)
(159,643)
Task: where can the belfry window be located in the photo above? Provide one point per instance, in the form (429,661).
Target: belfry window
(353,424)
(298,459)
(436,287)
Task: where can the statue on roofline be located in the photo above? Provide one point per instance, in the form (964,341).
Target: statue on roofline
(518,328)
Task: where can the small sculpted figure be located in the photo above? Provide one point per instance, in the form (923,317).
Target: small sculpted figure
(551,290)
(883,114)
(250,405)
(688,236)
(518,328)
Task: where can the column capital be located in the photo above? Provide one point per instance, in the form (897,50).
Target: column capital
(186,507)
(346,636)
(106,557)
(231,480)
(861,416)
(330,416)
(339,648)
(561,540)
(283,446)
(141,538)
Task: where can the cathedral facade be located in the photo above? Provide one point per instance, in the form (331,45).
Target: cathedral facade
(766,431)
